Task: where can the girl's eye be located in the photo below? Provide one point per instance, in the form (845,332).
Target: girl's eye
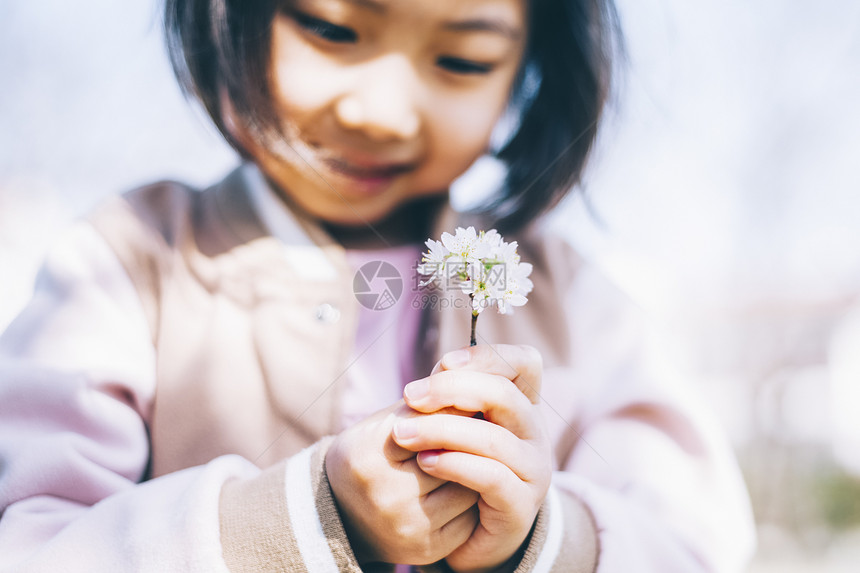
(461,66)
(326,30)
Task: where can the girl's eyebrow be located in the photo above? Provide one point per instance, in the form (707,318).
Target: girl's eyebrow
(374,5)
(493,25)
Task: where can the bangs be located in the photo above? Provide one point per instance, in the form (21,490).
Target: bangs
(221,48)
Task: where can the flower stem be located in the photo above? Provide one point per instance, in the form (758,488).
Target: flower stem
(472,341)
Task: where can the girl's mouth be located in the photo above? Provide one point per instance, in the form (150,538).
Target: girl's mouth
(369,178)
(372,171)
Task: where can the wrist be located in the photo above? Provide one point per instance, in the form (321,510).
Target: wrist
(505,564)
(362,548)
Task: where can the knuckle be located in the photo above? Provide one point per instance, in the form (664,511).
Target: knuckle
(494,449)
(357,467)
(388,510)
(360,468)
(404,530)
(437,383)
(426,554)
(531,355)
(414,542)
(448,378)
(495,477)
(530,375)
(508,392)
(489,353)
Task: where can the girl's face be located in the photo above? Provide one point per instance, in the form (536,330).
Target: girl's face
(385,101)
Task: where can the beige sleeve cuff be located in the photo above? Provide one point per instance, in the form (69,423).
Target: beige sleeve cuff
(285,519)
(564,538)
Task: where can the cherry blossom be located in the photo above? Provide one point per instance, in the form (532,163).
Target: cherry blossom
(480,264)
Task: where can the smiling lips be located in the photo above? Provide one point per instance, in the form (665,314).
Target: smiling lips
(370,172)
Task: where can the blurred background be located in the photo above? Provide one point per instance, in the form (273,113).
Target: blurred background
(724,197)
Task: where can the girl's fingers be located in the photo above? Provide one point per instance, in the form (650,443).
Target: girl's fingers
(458,530)
(469,435)
(521,364)
(493,395)
(498,486)
(424,484)
(446,502)
(390,448)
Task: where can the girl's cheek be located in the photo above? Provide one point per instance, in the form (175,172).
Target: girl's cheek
(458,135)
(472,117)
(468,129)
(293,63)
(295,94)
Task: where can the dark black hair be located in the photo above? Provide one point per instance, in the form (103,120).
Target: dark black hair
(220,46)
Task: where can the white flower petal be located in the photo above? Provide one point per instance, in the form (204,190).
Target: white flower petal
(482,265)
(517,300)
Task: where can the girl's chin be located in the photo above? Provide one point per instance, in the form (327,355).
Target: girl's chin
(389,225)
(357,210)
(355,214)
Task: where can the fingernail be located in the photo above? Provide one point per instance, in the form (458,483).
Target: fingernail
(405,429)
(416,390)
(457,359)
(429,458)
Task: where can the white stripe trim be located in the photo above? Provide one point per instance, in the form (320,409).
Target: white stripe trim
(555,529)
(304,519)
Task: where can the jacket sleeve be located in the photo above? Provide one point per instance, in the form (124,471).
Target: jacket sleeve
(77,384)
(646,480)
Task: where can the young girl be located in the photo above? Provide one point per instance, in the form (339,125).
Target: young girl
(195,385)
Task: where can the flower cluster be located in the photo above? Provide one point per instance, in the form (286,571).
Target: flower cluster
(482,264)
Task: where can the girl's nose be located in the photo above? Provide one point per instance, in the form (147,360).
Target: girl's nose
(382,101)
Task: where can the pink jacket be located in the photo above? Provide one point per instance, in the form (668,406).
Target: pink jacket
(174,347)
